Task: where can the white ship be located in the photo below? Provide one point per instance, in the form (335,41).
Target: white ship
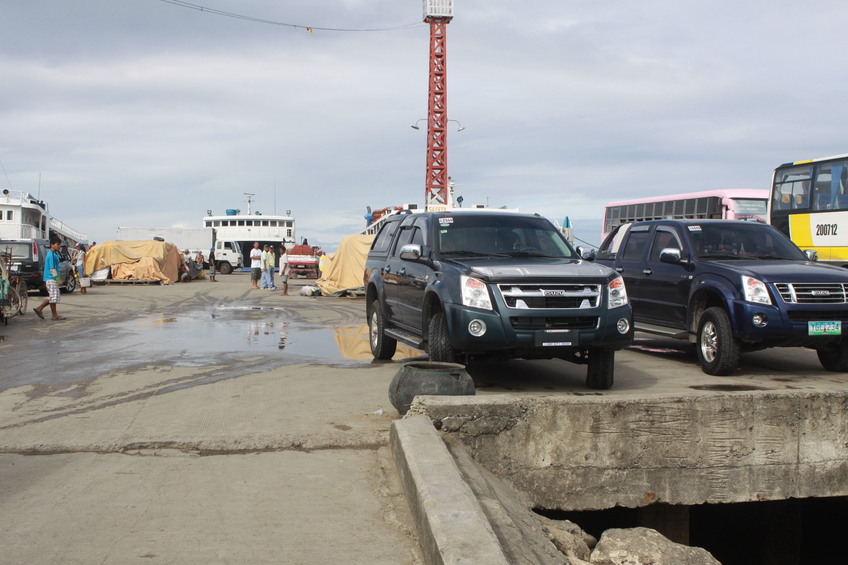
(23,216)
(276,230)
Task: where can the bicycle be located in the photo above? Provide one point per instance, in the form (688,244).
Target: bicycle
(13,293)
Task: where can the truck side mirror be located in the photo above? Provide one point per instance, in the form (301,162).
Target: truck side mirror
(671,255)
(410,252)
(587,254)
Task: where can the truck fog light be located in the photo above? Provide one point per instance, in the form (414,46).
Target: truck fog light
(477,328)
(760,320)
(623,325)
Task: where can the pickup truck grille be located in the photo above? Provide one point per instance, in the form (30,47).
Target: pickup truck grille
(813,293)
(539,323)
(551,296)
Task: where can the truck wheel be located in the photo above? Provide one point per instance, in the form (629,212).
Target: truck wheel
(382,346)
(225,268)
(718,352)
(600,371)
(440,349)
(70,284)
(835,357)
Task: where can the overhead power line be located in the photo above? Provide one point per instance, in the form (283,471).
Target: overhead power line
(310,29)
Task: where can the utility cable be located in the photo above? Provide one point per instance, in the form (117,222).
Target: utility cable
(310,29)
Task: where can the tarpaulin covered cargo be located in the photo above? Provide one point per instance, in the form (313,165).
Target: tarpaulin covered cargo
(136,260)
(344,268)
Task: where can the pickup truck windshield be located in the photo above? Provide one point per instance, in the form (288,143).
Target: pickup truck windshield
(742,241)
(500,236)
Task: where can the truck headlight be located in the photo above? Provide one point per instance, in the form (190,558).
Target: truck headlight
(754,290)
(475,293)
(617,292)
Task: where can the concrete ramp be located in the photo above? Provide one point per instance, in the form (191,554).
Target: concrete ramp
(594,452)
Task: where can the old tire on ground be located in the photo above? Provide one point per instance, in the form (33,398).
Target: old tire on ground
(718,351)
(600,371)
(835,357)
(225,268)
(382,346)
(439,344)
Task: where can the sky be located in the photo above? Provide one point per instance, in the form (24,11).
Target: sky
(146,113)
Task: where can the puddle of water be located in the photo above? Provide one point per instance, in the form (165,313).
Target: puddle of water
(193,338)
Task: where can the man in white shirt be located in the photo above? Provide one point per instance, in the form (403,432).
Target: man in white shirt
(255,265)
(284,271)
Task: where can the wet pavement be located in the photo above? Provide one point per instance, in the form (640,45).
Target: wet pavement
(198,423)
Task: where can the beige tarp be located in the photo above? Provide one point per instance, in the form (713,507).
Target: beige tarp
(344,268)
(136,260)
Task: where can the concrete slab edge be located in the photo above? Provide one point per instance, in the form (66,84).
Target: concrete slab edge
(451,524)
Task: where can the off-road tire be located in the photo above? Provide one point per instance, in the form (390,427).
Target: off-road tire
(70,284)
(600,370)
(718,351)
(439,343)
(835,358)
(382,346)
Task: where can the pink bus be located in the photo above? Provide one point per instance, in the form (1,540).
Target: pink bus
(731,204)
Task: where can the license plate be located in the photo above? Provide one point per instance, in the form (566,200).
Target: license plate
(556,338)
(824,328)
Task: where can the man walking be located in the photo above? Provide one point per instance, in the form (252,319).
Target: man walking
(51,281)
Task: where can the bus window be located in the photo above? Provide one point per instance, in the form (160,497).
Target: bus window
(791,188)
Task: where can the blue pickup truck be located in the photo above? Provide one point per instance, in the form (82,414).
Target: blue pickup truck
(730,287)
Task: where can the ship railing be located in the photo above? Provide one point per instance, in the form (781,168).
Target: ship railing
(20,231)
(20,198)
(67,231)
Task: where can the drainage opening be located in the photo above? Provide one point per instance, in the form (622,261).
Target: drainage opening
(795,531)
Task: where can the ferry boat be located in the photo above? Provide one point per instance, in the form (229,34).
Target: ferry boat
(245,229)
(23,216)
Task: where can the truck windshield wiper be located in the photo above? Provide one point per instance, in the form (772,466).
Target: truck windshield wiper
(473,253)
(535,254)
(719,256)
(772,257)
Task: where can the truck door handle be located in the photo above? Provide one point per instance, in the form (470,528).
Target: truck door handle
(646,271)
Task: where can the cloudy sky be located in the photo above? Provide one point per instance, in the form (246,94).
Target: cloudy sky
(145,113)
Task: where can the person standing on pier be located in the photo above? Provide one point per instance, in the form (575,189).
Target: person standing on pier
(255,265)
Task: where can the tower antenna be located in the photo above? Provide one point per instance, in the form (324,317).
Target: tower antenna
(437,13)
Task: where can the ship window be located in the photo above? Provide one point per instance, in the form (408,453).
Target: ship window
(9,215)
(241,222)
(265,223)
(288,233)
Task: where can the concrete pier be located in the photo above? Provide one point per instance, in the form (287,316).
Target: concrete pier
(600,451)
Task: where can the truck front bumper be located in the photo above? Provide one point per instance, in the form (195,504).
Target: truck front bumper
(537,333)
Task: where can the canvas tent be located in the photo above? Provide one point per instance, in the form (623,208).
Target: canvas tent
(136,260)
(344,268)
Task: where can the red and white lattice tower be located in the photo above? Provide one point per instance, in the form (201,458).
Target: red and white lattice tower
(438,13)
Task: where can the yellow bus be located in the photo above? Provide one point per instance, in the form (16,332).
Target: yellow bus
(809,203)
